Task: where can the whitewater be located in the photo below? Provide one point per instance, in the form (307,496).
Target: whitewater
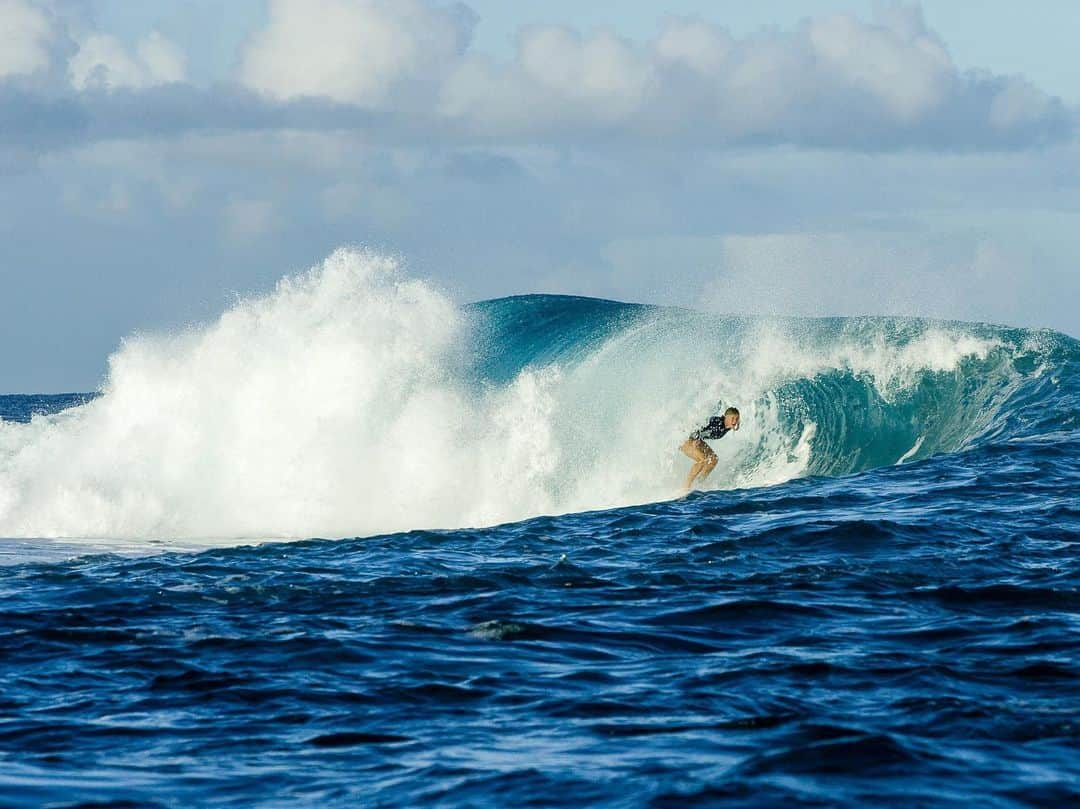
(353,544)
(353,400)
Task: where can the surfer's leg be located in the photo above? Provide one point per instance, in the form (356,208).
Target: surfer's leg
(696,449)
(709,464)
(699,452)
(695,470)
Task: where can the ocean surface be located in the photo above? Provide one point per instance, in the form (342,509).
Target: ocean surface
(353,545)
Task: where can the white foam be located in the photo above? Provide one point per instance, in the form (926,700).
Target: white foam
(911,452)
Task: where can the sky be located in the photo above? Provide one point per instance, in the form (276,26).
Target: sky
(159,159)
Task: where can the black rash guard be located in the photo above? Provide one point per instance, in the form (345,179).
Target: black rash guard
(713,430)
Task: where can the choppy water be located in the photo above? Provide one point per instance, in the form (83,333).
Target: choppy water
(829,626)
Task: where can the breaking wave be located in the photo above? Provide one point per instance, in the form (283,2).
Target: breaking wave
(353,400)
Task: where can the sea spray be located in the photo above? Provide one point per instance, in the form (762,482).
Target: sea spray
(328,406)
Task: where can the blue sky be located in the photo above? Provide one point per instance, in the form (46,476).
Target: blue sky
(159,158)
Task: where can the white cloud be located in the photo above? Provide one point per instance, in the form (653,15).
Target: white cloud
(352,51)
(833,80)
(102,62)
(604,74)
(899,63)
(559,79)
(26,36)
(163,60)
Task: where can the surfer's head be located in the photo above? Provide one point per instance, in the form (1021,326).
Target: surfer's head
(731,418)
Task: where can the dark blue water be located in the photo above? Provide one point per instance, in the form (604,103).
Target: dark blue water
(22,408)
(908,635)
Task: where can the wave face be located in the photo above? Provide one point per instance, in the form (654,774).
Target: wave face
(352,400)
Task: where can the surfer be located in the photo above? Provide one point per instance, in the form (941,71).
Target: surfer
(701,453)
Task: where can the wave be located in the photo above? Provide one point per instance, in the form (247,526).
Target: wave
(353,400)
